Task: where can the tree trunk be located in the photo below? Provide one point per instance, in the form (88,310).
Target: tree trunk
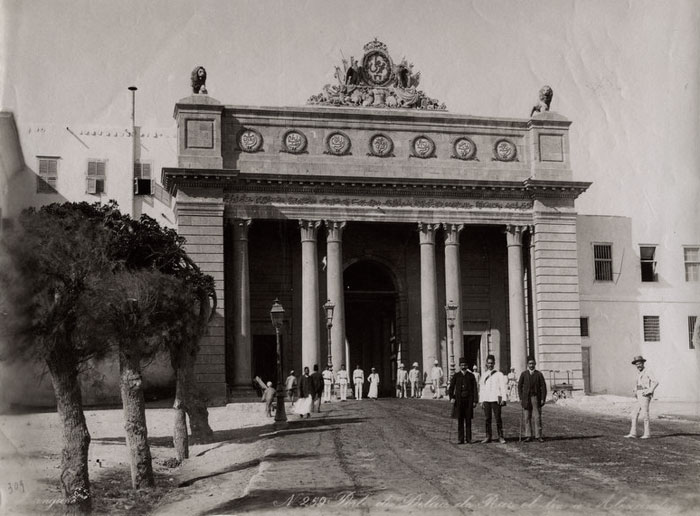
(194,402)
(131,386)
(180,439)
(75,480)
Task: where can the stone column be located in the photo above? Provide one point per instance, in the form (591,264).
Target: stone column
(453,287)
(516,301)
(310,306)
(336,294)
(428,295)
(242,368)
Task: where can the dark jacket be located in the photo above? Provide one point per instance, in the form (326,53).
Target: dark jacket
(305,387)
(464,391)
(526,379)
(316,383)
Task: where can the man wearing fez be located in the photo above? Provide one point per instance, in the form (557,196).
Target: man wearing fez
(532,390)
(643,391)
(464,397)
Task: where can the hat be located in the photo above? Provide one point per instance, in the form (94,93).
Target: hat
(400,365)
(462,360)
(269,384)
(435,362)
(638,358)
(415,364)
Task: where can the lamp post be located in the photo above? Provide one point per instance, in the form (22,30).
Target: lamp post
(277,317)
(329,307)
(451,314)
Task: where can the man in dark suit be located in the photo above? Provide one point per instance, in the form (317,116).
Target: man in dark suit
(316,388)
(464,396)
(533,393)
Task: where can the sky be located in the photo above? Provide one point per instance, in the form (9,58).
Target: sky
(625,72)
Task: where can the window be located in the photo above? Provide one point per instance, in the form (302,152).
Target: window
(691,257)
(143,183)
(602,257)
(162,195)
(96,176)
(584,327)
(142,170)
(48,174)
(652,330)
(647,255)
(693,331)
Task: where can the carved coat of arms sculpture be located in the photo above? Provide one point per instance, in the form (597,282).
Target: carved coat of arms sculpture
(376,82)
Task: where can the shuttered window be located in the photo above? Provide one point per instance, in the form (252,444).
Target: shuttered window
(693,331)
(142,170)
(691,257)
(48,175)
(652,329)
(584,327)
(96,176)
(602,256)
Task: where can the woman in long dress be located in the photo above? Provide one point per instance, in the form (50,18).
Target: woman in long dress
(373,380)
(303,404)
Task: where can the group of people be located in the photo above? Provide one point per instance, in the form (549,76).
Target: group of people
(466,389)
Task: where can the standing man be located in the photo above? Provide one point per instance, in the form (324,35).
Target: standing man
(532,390)
(373,380)
(358,378)
(464,398)
(268,397)
(512,385)
(475,372)
(436,375)
(493,396)
(414,379)
(401,381)
(643,391)
(291,385)
(317,386)
(328,380)
(303,405)
(342,379)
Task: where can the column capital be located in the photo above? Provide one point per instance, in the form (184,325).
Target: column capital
(427,232)
(334,230)
(309,229)
(452,233)
(514,235)
(240,228)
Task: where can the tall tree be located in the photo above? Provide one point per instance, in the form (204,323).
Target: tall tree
(53,264)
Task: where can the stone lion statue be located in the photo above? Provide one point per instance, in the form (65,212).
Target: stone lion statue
(545,100)
(199,80)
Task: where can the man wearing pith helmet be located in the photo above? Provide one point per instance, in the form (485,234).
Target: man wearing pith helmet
(643,391)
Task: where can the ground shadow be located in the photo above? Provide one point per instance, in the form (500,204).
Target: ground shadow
(235,467)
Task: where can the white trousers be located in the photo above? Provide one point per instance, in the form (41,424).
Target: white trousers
(358,391)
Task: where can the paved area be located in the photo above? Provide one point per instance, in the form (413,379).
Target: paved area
(400,456)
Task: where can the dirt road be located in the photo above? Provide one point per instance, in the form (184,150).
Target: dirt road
(400,456)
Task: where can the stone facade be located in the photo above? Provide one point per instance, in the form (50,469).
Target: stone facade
(433,206)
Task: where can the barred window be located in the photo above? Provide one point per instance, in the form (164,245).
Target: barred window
(48,175)
(602,256)
(647,255)
(691,257)
(584,327)
(96,176)
(652,329)
(693,331)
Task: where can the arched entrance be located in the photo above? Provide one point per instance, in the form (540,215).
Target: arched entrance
(370,322)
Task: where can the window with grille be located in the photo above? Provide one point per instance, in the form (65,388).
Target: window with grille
(693,331)
(691,257)
(96,176)
(584,327)
(647,255)
(48,175)
(652,329)
(602,257)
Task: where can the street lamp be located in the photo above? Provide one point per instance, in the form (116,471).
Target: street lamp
(277,317)
(451,313)
(329,307)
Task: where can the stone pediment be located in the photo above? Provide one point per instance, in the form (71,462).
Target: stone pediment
(375,81)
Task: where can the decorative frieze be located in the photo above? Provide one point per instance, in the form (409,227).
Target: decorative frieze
(338,144)
(294,142)
(250,140)
(381,146)
(464,148)
(505,150)
(422,147)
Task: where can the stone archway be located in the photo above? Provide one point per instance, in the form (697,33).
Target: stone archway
(370,321)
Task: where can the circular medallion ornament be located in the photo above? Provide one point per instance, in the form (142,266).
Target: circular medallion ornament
(250,140)
(505,150)
(464,148)
(338,143)
(377,67)
(294,141)
(423,147)
(381,146)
